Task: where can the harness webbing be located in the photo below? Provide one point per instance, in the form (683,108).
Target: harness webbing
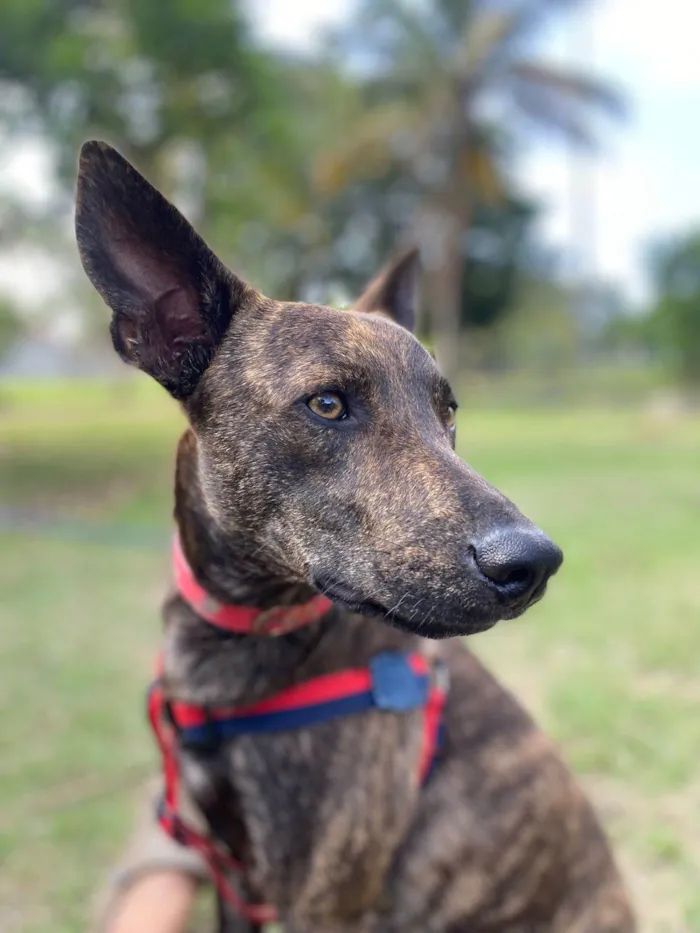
(393,682)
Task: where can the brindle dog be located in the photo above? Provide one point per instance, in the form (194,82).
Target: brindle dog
(320,456)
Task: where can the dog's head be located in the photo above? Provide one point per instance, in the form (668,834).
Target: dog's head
(329,435)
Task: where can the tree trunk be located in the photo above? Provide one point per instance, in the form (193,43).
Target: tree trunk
(445,300)
(442,232)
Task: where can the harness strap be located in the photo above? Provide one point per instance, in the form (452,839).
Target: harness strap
(393,681)
(219,862)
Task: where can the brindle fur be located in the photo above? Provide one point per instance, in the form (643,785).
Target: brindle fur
(331,821)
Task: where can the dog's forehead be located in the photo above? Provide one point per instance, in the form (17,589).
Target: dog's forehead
(281,351)
(275,353)
(312,343)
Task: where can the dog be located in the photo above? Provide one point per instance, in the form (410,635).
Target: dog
(319,459)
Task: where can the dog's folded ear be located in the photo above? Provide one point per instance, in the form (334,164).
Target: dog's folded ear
(394,291)
(172,298)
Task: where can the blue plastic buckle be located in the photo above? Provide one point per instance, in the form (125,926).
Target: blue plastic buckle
(395,685)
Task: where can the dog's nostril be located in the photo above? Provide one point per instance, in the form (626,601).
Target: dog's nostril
(516,576)
(517,561)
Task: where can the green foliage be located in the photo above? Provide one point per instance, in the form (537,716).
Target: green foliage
(144,74)
(675,267)
(541,333)
(10,326)
(304,173)
(490,272)
(636,333)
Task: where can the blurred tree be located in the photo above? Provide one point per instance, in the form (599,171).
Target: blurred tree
(227,129)
(153,77)
(12,222)
(237,136)
(542,334)
(431,71)
(497,242)
(675,269)
(631,335)
(165,81)
(10,326)
(183,90)
(261,196)
(335,246)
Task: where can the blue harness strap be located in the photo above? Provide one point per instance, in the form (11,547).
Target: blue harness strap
(393,681)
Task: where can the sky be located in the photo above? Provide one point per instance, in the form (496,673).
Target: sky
(642,184)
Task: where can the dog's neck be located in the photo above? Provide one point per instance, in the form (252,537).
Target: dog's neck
(231,565)
(206,665)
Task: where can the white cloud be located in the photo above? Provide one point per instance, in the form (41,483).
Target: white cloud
(299,24)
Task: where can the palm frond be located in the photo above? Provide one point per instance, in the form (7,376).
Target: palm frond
(383,137)
(399,31)
(486,36)
(555,115)
(570,87)
(484,175)
(454,15)
(553,6)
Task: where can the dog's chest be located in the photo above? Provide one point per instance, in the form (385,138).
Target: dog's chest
(317,814)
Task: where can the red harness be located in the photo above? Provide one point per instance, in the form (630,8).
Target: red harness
(393,681)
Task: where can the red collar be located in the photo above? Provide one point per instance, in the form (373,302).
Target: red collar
(246,620)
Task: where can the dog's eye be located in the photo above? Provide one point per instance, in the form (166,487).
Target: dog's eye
(452,417)
(328,405)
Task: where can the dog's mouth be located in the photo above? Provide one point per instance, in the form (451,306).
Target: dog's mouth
(343,596)
(414,622)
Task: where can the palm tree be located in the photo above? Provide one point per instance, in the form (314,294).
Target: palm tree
(439,77)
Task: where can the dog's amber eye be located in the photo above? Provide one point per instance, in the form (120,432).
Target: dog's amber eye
(328,405)
(451,417)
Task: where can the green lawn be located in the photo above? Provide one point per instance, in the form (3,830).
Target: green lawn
(608,662)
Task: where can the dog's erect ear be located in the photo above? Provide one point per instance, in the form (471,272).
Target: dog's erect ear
(172,299)
(394,291)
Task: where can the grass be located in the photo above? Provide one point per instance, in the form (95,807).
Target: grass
(608,662)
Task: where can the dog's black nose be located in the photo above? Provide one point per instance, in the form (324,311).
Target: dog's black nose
(518,561)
